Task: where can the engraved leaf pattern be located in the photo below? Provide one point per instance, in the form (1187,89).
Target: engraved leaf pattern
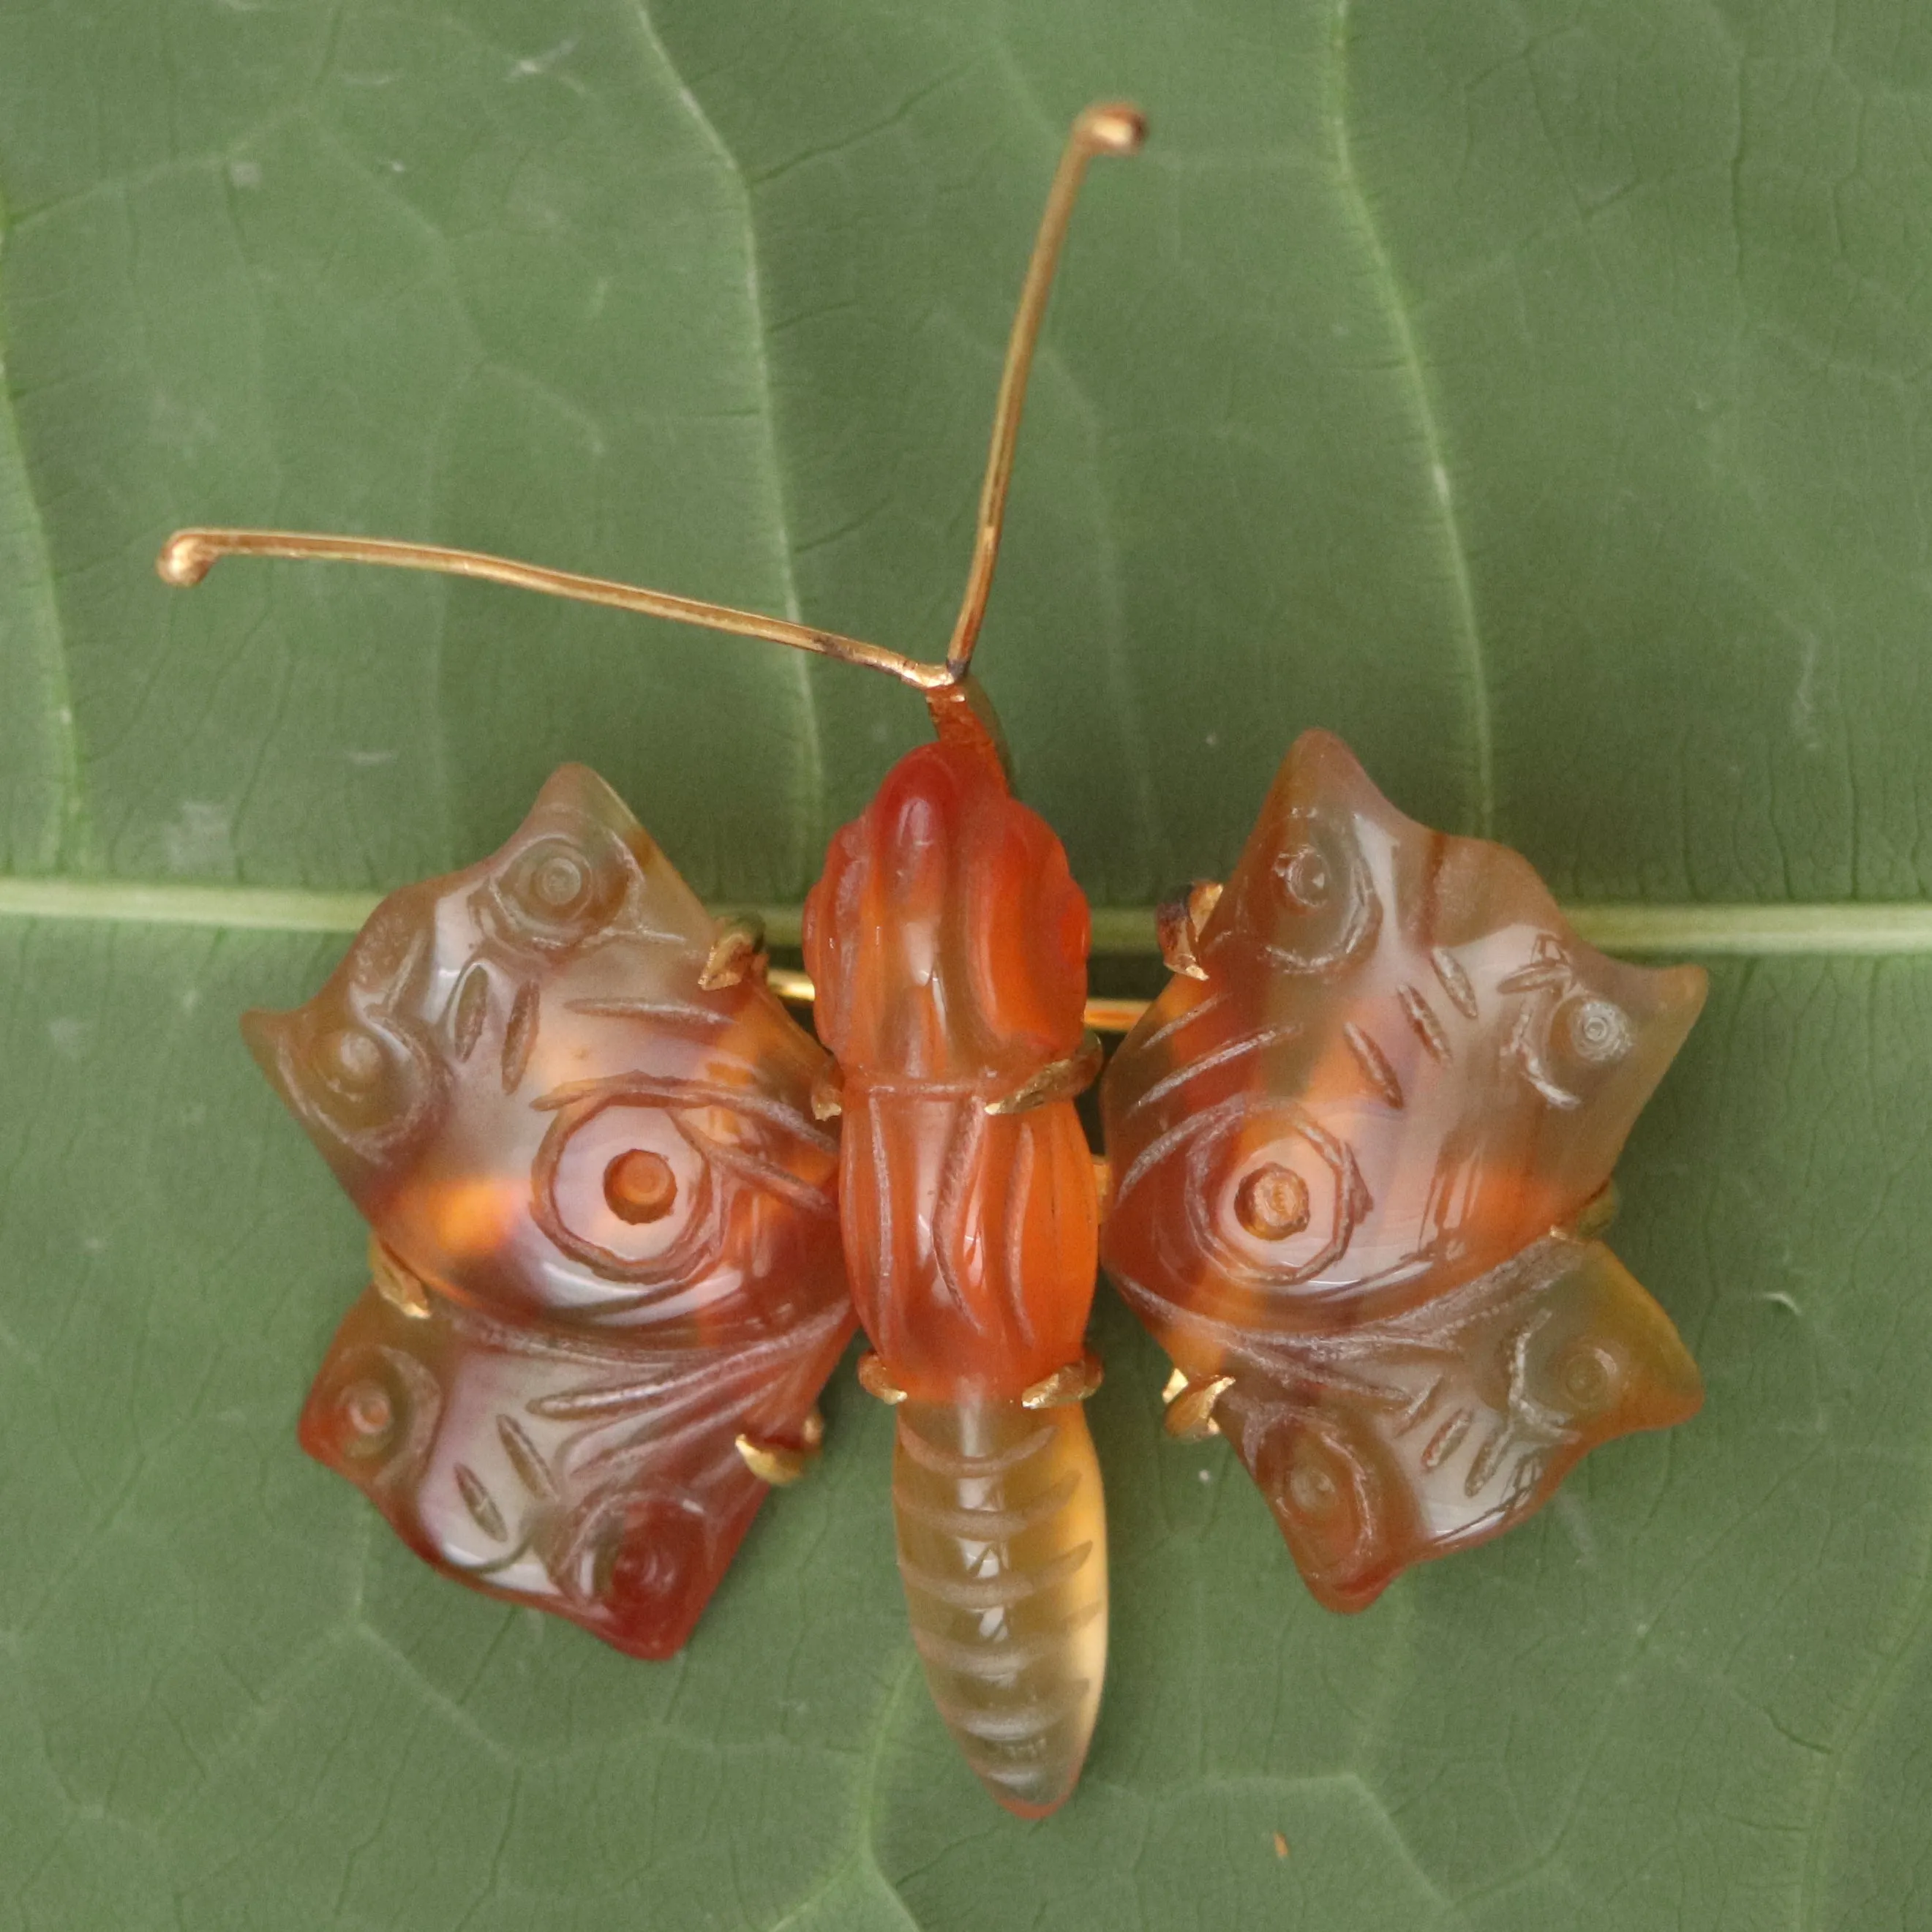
(1531,393)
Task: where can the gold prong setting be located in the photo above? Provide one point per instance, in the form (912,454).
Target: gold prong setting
(1190,1405)
(828,1092)
(1058,1080)
(737,954)
(1179,922)
(398,1284)
(781,1464)
(1073,1382)
(876,1380)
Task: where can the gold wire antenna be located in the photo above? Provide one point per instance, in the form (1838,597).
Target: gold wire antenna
(1106,128)
(188,555)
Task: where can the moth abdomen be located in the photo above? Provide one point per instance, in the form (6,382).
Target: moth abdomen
(1003,1551)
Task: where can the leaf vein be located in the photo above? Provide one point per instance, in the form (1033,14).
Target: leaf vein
(1440,490)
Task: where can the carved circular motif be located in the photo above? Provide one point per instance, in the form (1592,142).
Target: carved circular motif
(1272,1203)
(1327,909)
(558,892)
(1588,1374)
(373,1415)
(1592,1030)
(1304,875)
(639,1187)
(1313,1495)
(350,1060)
(1329,1492)
(362,1078)
(620,1186)
(1257,1197)
(368,1415)
(559,882)
(647,1565)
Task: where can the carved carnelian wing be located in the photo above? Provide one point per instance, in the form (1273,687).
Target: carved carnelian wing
(608,1220)
(1346,1158)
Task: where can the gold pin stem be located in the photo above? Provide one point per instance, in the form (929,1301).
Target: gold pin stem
(188,555)
(1108,128)
(1102,1015)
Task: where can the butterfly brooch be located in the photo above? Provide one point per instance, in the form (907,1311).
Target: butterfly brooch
(625,1213)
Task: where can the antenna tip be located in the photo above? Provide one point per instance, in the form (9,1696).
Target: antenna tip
(186,558)
(1113,128)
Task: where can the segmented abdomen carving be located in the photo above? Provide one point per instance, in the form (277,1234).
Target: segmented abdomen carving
(948,943)
(1002,1550)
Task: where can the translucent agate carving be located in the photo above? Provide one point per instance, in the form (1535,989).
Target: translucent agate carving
(1357,1148)
(1360,1146)
(606,1240)
(948,944)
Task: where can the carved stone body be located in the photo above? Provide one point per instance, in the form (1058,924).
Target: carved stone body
(948,944)
(1360,1147)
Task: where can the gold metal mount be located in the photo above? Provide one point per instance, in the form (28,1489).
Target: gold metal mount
(876,1380)
(1058,1080)
(1178,924)
(1190,1405)
(1075,1382)
(738,952)
(781,1464)
(397,1283)
(1101,1015)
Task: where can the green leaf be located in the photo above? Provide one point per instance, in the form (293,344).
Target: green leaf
(1535,393)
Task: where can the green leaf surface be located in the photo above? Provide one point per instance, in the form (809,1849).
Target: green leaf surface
(1537,393)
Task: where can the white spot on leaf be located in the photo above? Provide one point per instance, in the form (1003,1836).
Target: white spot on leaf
(69,1037)
(196,839)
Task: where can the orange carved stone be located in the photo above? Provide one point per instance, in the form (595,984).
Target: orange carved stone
(948,943)
(609,1244)
(1349,1165)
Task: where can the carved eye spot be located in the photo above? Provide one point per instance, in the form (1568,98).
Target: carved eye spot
(1593,1030)
(1269,1199)
(368,1417)
(622,1188)
(1588,1373)
(1313,1495)
(372,1413)
(646,1181)
(351,1061)
(639,1186)
(1329,1490)
(648,1568)
(1316,907)
(556,892)
(365,1084)
(1272,1203)
(558,882)
(1305,881)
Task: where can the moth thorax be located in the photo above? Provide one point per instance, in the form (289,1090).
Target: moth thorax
(947,939)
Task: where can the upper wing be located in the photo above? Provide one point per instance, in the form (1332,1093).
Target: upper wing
(1401,1071)
(607,1222)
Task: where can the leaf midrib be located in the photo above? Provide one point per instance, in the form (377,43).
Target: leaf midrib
(1867,927)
